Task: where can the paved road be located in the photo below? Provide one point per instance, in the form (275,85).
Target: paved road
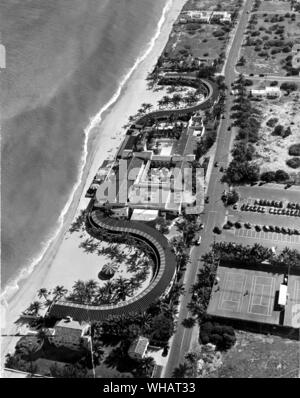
(214,212)
(294,79)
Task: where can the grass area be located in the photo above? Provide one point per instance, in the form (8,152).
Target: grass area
(268,43)
(197,40)
(272,151)
(58,353)
(260,356)
(104,371)
(211,5)
(274,6)
(201,43)
(206,41)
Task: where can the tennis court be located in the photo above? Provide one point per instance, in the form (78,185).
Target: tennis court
(245,294)
(262,292)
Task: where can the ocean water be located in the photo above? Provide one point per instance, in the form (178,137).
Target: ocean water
(65,59)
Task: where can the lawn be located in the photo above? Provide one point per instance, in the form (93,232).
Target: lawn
(201,43)
(268,43)
(260,356)
(211,5)
(194,41)
(273,6)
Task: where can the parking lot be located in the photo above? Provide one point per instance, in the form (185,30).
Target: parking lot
(269,229)
(280,214)
(273,236)
(264,219)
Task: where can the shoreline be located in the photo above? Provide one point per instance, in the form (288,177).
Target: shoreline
(99,143)
(88,154)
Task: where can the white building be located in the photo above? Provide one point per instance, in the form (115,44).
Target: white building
(273,92)
(221,16)
(269,92)
(199,16)
(197,125)
(258,92)
(70,333)
(138,348)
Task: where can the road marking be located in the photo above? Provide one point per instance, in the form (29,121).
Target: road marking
(274,236)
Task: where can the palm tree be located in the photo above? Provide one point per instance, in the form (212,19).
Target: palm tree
(97,353)
(33,308)
(135,283)
(59,291)
(79,291)
(90,286)
(42,336)
(145,320)
(104,293)
(181,371)
(161,103)
(147,364)
(43,292)
(123,289)
(290,258)
(176,99)
(89,245)
(178,289)
(147,106)
(169,309)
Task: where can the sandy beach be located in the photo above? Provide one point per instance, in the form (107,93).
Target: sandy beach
(64,262)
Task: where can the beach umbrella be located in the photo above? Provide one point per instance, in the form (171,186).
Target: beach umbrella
(109,269)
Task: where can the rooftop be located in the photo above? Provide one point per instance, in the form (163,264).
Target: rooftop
(139,346)
(70,324)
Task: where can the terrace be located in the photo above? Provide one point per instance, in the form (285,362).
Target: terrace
(163,147)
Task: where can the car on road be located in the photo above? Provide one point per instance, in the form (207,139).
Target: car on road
(229,128)
(198,241)
(216,164)
(201,226)
(207,199)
